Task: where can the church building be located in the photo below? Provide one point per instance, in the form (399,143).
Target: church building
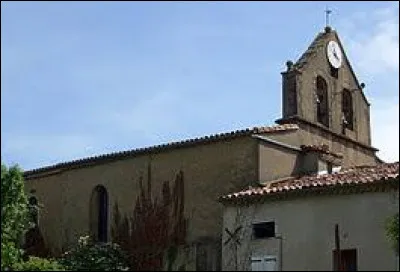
(167,198)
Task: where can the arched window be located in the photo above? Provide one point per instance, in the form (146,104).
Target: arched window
(99,214)
(347,109)
(322,102)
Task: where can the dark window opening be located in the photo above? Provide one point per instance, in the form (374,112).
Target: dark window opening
(33,201)
(264,230)
(330,168)
(334,72)
(103,216)
(348,260)
(99,214)
(347,109)
(322,102)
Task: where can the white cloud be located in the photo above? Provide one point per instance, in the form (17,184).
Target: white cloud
(376,52)
(375,57)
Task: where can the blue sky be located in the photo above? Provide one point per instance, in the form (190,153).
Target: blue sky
(86,78)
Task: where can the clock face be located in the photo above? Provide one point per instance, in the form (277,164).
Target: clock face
(334,54)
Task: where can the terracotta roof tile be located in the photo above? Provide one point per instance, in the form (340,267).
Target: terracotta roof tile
(157,148)
(354,175)
(321,149)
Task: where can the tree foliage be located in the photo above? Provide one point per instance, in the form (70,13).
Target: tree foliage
(13,215)
(13,204)
(15,222)
(38,264)
(157,227)
(392,231)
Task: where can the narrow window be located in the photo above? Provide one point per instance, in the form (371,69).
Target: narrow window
(264,230)
(334,72)
(322,102)
(330,168)
(347,109)
(99,214)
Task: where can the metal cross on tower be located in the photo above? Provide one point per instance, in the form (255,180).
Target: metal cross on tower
(327,13)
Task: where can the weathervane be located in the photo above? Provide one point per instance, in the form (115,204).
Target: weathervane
(327,13)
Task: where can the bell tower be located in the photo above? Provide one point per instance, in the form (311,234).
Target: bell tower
(321,89)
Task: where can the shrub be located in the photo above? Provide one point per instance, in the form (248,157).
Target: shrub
(39,264)
(95,257)
(392,231)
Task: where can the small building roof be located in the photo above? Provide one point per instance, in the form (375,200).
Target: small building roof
(353,178)
(324,149)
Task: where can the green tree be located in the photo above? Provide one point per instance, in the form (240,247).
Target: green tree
(392,231)
(14,223)
(13,215)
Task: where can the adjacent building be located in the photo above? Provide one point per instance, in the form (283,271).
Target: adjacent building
(300,223)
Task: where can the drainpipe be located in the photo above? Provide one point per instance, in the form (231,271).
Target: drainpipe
(337,247)
(279,237)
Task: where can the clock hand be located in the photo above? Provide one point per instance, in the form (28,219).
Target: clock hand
(335,55)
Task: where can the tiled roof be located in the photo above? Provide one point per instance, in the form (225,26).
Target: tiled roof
(358,176)
(321,149)
(157,148)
